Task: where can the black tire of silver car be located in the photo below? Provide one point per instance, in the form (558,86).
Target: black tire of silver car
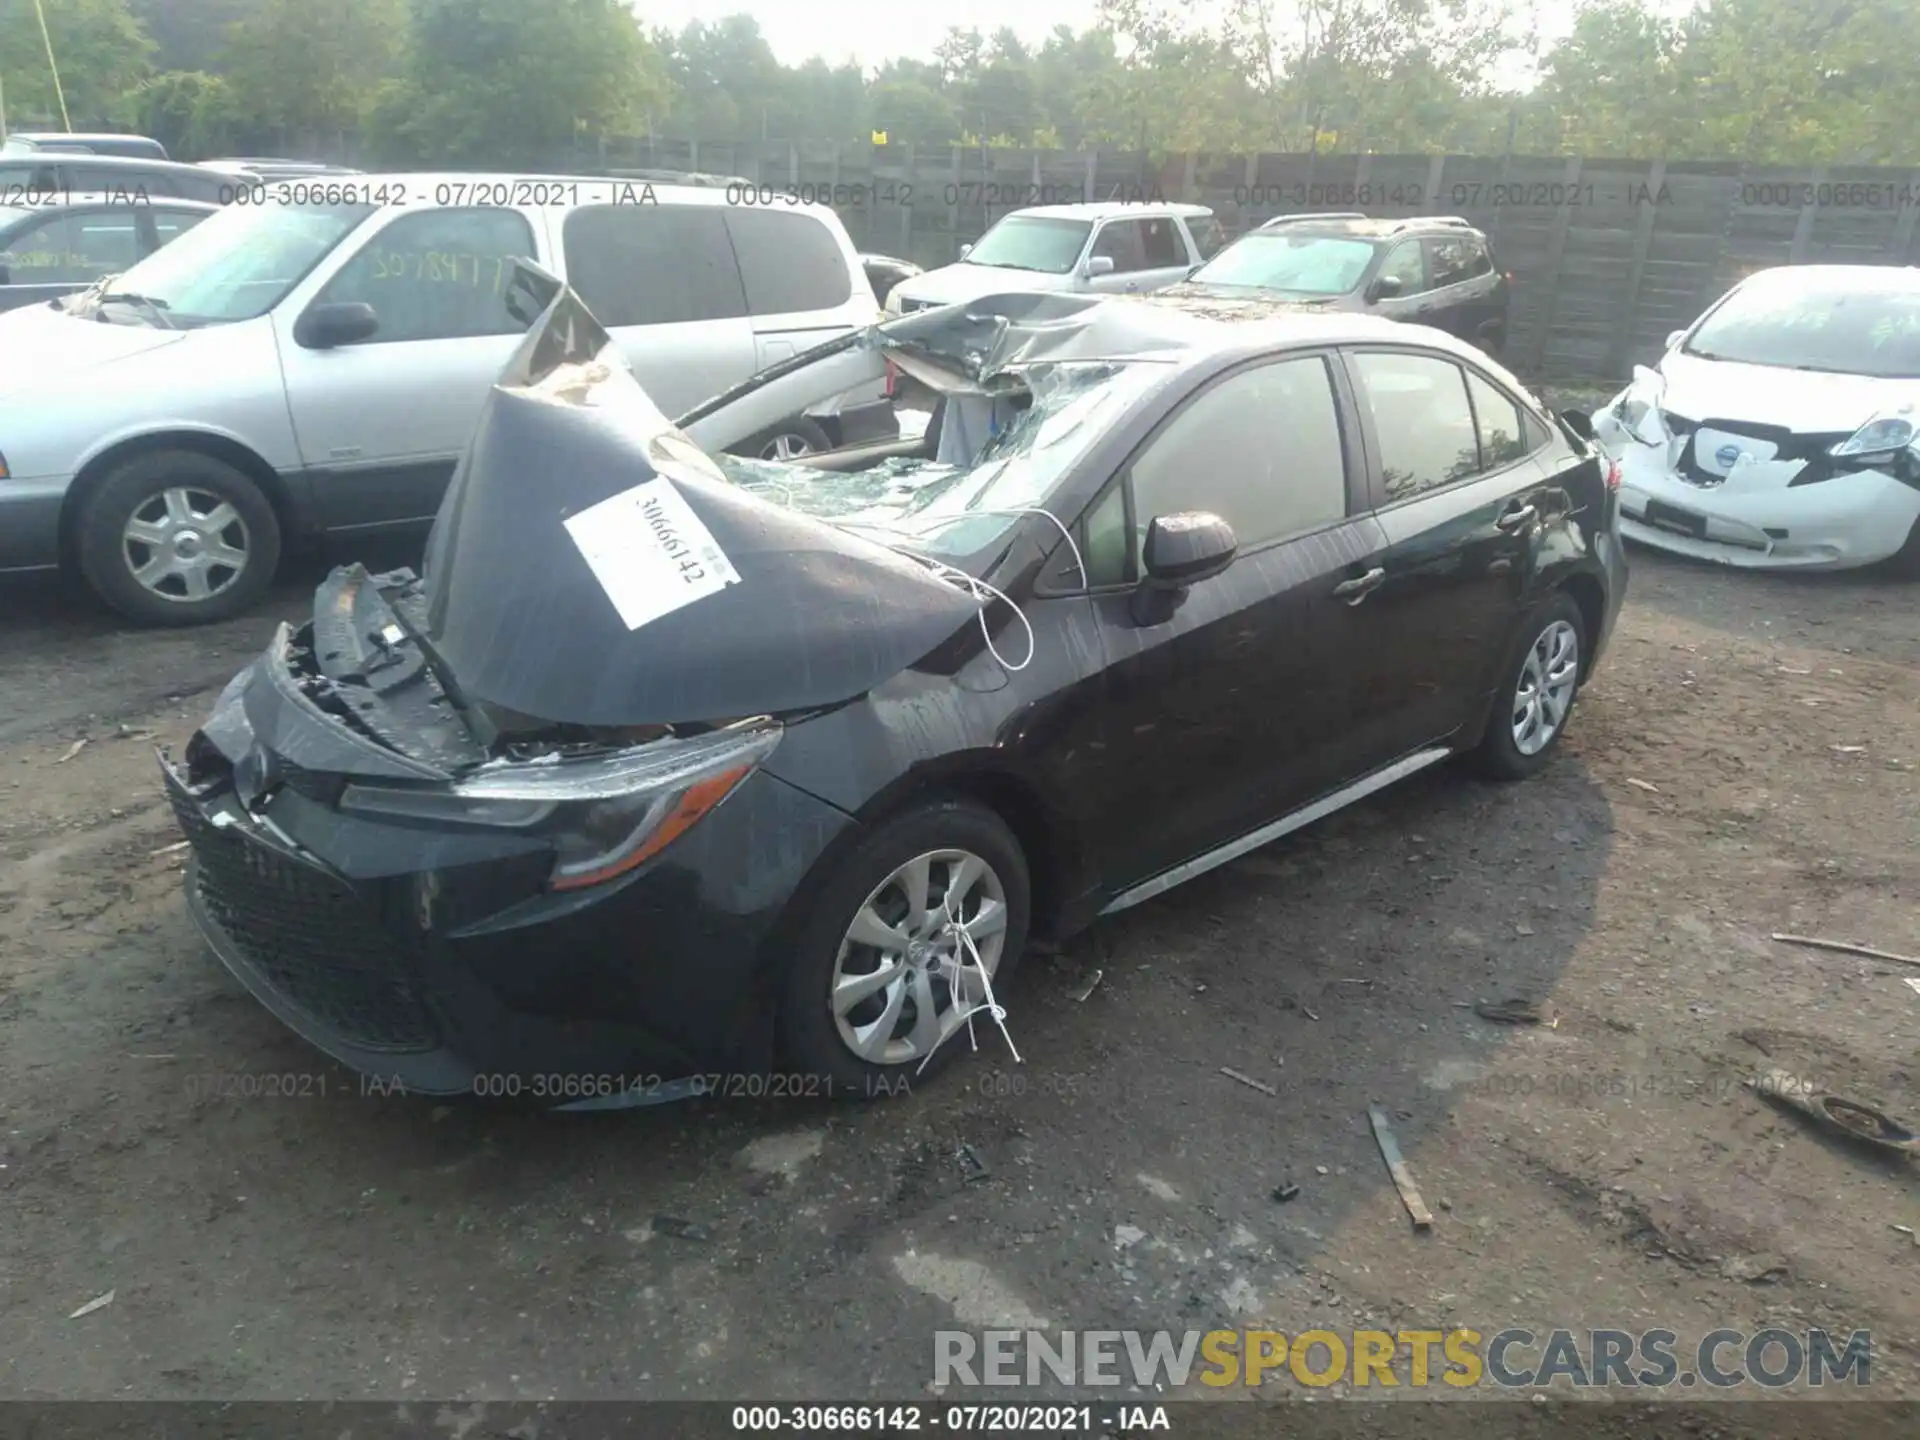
(1537,692)
(788,440)
(869,974)
(175,537)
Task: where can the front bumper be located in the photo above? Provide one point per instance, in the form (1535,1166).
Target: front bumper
(30,524)
(467,977)
(1756,518)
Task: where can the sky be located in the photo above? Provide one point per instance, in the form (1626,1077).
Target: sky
(871,32)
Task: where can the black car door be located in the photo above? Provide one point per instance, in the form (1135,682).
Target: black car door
(1461,499)
(1225,714)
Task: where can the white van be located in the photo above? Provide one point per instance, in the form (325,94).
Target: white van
(313,358)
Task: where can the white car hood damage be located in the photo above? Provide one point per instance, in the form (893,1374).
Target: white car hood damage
(39,344)
(952,284)
(1807,402)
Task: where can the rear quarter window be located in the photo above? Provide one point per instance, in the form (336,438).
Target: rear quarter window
(790,262)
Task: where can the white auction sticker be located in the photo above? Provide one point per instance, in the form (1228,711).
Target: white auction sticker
(650,552)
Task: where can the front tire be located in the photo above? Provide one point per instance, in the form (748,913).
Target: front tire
(1537,693)
(875,985)
(175,537)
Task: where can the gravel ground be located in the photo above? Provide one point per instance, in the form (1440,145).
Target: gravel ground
(1745,762)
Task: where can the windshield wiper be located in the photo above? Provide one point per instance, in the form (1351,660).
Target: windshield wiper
(157,309)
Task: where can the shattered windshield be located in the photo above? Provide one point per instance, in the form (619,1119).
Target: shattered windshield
(1000,455)
(1845,329)
(1302,264)
(1032,242)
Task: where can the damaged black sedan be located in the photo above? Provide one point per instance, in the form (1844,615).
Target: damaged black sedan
(675,764)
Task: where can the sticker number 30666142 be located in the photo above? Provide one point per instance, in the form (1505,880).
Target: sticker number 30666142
(650,552)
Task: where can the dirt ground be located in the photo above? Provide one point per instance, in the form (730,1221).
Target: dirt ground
(1747,761)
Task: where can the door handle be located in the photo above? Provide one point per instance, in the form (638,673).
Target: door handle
(1357,589)
(1517,519)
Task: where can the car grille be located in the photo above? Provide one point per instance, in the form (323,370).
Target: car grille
(312,939)
(1811,448)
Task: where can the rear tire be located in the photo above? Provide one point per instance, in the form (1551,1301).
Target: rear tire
(964,849)
(1538,690)
(1905,562)
(789,440)
(176,537)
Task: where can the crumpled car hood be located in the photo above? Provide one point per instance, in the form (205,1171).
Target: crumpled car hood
(38,342)
(1806,401)
(591,566)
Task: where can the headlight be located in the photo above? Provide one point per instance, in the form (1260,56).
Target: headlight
(1886,434)
(1638,408)
(895,301)
(603,817)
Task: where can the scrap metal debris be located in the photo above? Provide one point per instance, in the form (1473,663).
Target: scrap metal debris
(1397,1168)
(99,1302)
(1260,1085)
(1517,1012)
(1846,947)
(1286,1192)
(1911,983)
(1088,986)
(172,849)
(978,1168)
(1847,1118)
(73,750)
(1648,786)
(1908,1231)
(681,1229)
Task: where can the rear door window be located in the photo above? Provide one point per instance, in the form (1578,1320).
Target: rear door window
(72,248)
(1455,259)
(1505,435)
(437,274)
(1209,235)
(653,264)
(1422,419)
(789,261)
(170,223)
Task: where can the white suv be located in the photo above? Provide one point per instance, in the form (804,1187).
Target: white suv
(1112,247)
(312,359)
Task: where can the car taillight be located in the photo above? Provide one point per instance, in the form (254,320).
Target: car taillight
(893,378)
(1507,275)
(1613,475)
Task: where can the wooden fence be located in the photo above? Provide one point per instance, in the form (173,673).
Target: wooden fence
(1608,255)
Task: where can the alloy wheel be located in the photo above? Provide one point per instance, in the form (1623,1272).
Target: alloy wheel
(1544,693)
(786,447)
(185,544)
(905,979)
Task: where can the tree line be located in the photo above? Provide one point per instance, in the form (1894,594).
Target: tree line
(500,82)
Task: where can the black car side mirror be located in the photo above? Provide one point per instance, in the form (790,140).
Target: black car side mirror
(1579,422)
(323,327)
(1386,288)
(1181,551)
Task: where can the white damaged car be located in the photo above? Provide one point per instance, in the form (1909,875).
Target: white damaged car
(1782,429)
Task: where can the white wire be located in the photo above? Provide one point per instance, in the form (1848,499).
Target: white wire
(979,589)
(992,1006)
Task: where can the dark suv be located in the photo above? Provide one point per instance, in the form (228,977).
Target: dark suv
(1431,270)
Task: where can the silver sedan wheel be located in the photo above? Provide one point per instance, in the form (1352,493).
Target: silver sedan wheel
(904,980)
(786,447)
(1545,692)
(185,544)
